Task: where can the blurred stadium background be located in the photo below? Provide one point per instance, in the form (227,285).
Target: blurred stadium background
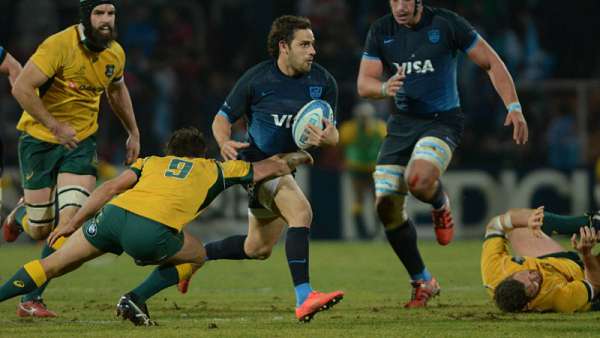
(183,56)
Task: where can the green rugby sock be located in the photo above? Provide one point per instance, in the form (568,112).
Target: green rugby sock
(161,278)
(20,215)
(37,293)
(563,225)
(23,281)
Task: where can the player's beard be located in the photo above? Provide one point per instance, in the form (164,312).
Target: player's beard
(101,40)
(300,65)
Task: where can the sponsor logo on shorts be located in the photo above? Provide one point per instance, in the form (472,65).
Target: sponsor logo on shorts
(92,229)
(29,176)
(19,283)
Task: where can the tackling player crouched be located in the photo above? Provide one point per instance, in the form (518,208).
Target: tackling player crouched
(157,196)
(540,275)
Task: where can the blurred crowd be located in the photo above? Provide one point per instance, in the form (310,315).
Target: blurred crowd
(183,57)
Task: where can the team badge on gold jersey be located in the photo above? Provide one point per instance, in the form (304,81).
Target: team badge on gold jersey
(110,70)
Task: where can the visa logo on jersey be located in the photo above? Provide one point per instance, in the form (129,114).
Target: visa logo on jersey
(283,120)
(418,67)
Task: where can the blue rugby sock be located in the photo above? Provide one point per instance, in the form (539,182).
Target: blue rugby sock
(296,250)
(423,275)
(302,292)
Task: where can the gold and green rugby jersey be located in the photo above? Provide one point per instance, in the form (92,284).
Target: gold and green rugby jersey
(77,79)
(174,190)
(563,289)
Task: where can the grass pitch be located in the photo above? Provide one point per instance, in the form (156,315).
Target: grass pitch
(255,299)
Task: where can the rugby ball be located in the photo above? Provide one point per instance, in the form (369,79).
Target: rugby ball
(312,113)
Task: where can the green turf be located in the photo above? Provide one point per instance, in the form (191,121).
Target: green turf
(255,299)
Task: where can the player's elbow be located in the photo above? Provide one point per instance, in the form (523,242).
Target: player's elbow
(361,88)
(111,188)
(21,89)
(17,90)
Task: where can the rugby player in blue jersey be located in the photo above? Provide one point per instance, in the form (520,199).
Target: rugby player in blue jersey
(418,45)
(269,95)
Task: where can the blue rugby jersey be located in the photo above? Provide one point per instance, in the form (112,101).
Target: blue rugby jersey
(271,99)
(428,53)
(2,54)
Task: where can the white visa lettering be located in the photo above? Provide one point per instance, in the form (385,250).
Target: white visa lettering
(280,120)
(418,67)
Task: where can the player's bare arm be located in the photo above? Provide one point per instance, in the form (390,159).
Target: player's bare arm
(588,238)
(487,59)
(96,201)
(221,129)
(323,137)
(11,67)
(120,101)
(518,218)
(280,165)
(24,91)
(369,82)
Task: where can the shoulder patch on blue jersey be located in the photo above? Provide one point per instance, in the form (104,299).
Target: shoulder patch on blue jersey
(434,35)
(315,92)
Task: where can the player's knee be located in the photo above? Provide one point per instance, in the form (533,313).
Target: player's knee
(39,232)
(72,196)
(40,220)
(301,216)
(420,183)
(260,253)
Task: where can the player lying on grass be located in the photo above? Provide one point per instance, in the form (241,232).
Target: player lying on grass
(541,275)
(157,196)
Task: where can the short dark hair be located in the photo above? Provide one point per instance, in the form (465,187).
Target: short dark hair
(283,29)
(510,295)
(186,142)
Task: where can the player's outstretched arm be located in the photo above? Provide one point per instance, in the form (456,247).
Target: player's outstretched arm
(279,165)
(588,237)
(11,67)
(120,102)
(369,84)
(485,57)
(221,129)
(24,91)
(97,200)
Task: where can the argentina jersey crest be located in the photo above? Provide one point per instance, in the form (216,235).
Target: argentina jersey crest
(434,35)
(315,92)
